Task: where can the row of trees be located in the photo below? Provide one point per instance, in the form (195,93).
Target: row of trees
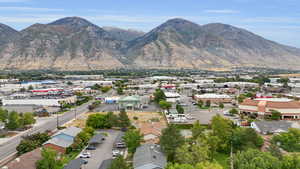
(221,137)
(32,142)
(14,120)
(81,140)
(202,148)
(109,120)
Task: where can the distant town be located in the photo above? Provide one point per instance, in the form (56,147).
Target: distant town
(247,118)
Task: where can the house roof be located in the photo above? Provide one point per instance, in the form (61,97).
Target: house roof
(96,139)
(274,126)
(149,155)
(129,98)
(60,142)
(70,131)
(26,161)
(75,164)
(105,164)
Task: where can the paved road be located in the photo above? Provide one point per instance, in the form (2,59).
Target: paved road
(103,151)
(9,148)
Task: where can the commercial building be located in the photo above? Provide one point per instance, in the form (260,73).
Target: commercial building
(172,97)
(214,98)
(289,109)
(39,101)
(130,102)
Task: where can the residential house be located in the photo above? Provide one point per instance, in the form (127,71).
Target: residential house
(63,139)
(149,156)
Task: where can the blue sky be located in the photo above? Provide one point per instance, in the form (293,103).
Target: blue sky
(277,20)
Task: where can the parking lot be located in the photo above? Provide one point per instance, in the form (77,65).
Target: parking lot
(103,151)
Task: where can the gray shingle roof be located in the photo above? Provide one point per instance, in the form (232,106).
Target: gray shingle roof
(274,126)
(149,156)
(70,131)
(105,164)
(75,164)
(59,142)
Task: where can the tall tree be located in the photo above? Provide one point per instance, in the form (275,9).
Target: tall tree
(3,115)
(222,128)
(50,160)
(197,130)
(255,159)
(119,163)
(124,120)
(164,105)
(193,153)
(13,121)
(159,95)
(132,139)
(28,118)
(180,109)
(170,140)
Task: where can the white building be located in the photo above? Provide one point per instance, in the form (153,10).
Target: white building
(172,97)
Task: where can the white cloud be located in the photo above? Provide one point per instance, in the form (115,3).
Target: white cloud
(31,9)
(221,11)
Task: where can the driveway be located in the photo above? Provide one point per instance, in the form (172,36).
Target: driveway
(103,151)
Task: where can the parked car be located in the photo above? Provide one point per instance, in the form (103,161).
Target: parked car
(85,155)
(120,145)
(91,147)
(116,153)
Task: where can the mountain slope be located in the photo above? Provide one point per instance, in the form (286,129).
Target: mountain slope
(67,44)
(7,34)
(123,34)
(74,43)
(180,43)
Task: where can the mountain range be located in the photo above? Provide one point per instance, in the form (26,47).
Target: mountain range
(74,43)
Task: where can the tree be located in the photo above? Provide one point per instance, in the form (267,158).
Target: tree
(28,119)
(193,153)
(207,103)
(31,142)
(69,83)
(222,128)
(159,95)
(119,163)
(180,109)
(291,161)
(124,120)
(3,115)
(165,105)
(30,87)
(233,111)
(221,105)
(98,121)
(200,103)
(132,139)
(112,120)
(203,165)
(105,89)
(289,141)
(120,91)
(245,138)
(255,159)
(13,121)
(197,130)
(275,115)
(241,98)
(50,160)
(171,139)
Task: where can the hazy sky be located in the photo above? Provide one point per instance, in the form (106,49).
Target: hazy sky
(277,20)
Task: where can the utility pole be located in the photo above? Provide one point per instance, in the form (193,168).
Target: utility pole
(75,112)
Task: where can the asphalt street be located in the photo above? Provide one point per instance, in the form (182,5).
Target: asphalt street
(9,148)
